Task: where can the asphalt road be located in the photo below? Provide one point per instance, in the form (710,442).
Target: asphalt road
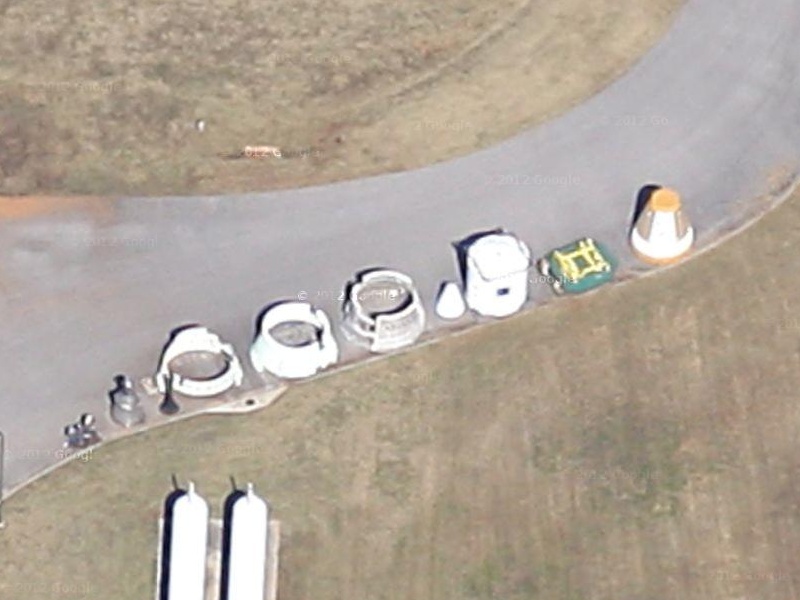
(713,110)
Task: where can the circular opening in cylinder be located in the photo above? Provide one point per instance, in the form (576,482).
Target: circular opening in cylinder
(294,334)
(199,366)
(382,297)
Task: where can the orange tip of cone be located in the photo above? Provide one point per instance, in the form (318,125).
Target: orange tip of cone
(665,200)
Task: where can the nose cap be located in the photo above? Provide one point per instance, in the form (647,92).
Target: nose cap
(665,200)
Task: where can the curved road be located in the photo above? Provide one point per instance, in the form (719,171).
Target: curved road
(713,110)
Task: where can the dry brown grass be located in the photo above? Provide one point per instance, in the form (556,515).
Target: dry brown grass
(637,443)
(102,98)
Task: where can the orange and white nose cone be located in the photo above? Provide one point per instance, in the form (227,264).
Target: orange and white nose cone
(662,233)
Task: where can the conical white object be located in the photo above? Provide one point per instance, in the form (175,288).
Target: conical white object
(662,233)
(450,303)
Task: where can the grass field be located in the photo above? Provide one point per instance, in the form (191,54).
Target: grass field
(102,98)
(637,443)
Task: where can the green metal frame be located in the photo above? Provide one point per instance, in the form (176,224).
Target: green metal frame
(578,267)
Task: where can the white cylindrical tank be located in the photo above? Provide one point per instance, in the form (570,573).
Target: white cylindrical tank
(188,547)
(247,559)
(497,274)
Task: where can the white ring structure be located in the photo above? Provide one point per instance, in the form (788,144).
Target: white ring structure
(294,361)
(198,339)
(388,328)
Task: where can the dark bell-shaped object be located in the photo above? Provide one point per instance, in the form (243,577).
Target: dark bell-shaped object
(168,405)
